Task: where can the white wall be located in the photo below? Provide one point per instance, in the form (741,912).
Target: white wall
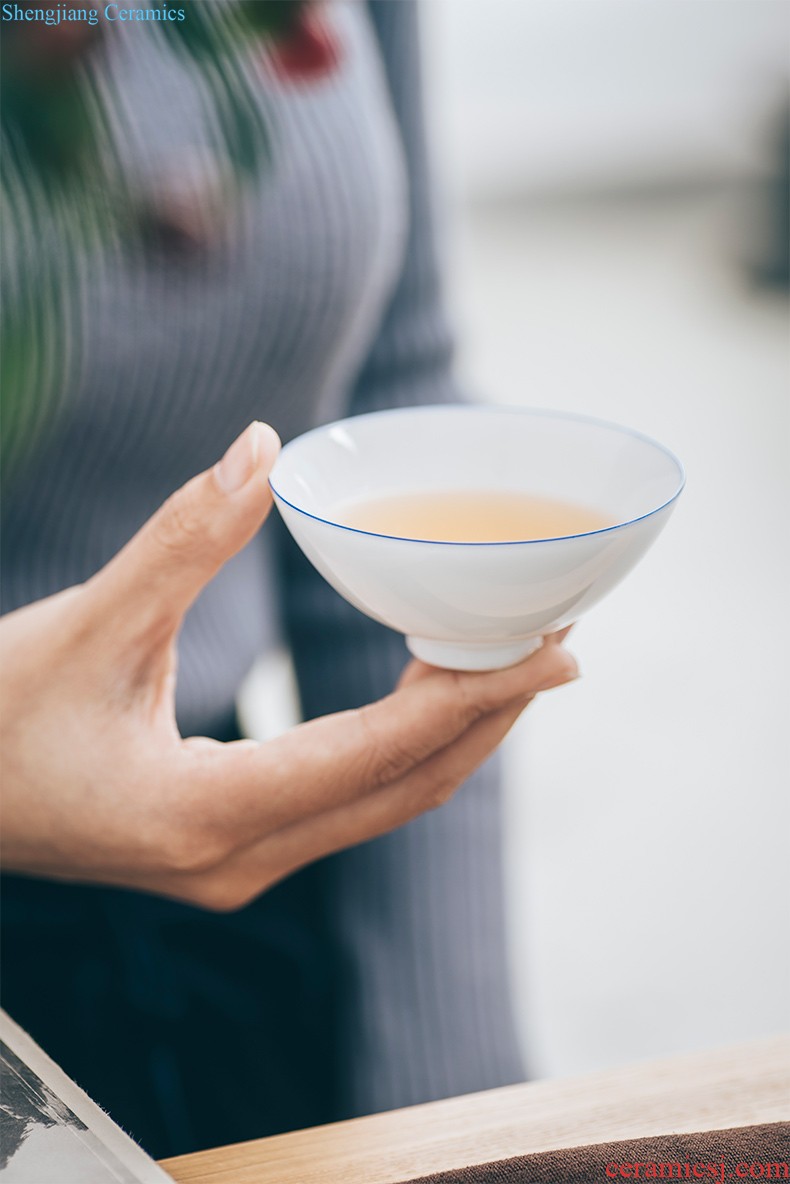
(546,94)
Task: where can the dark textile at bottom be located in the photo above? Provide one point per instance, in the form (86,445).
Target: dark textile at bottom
(745,1153)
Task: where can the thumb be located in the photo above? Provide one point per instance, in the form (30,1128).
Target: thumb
(159,573)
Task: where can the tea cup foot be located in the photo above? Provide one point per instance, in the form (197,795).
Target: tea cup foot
(465,655)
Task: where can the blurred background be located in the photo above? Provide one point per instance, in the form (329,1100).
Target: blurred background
(613,180)
(613,186)
(617,185)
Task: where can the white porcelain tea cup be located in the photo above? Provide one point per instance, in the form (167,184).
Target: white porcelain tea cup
(475,605)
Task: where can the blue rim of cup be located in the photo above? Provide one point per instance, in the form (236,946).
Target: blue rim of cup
(473,408)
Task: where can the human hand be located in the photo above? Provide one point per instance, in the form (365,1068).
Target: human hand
(99,785)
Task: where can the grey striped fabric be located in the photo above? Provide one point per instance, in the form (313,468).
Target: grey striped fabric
(315,297)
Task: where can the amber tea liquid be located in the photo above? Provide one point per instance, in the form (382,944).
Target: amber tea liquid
(472,516)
